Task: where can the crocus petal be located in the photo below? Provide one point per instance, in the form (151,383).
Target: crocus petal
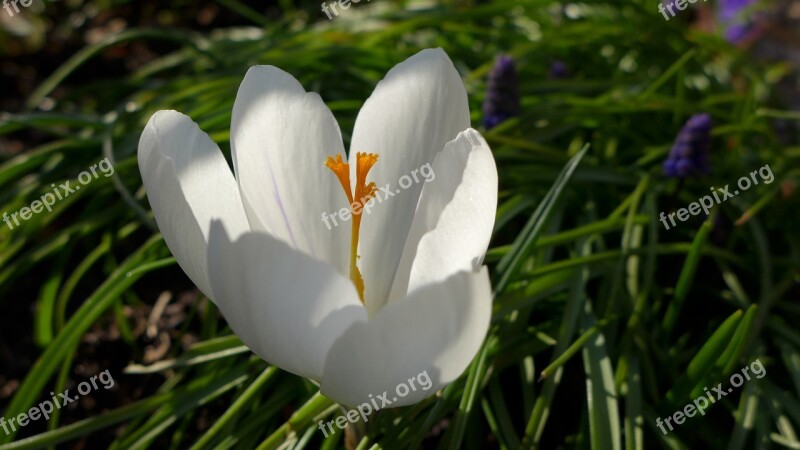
(419,107)
(189,184)
(454,218)
(438,330)
(286,306)
(280,138)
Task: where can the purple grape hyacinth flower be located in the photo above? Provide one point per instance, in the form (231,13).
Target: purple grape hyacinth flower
(558,70)
(502,93)
(729,15)
(689,155)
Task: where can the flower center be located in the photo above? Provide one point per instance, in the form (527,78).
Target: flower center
(363,192)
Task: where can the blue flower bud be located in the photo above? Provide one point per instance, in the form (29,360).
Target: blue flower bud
(502,93)
(689,155)
(730,16)
(558,71)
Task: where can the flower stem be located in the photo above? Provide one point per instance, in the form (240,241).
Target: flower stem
(299,420)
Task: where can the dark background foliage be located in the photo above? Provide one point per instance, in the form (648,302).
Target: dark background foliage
(603,320)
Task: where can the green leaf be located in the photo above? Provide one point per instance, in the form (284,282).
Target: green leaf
(601,392)
(687,276)
(86,315)
(705,359)
(524,244)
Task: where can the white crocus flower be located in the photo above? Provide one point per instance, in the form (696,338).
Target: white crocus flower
(256,245)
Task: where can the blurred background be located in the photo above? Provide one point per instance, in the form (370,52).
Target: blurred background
(604,320)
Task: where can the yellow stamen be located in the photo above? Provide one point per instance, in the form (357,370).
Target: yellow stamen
(363,193)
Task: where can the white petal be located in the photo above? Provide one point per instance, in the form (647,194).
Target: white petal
(438,331)
(280,138)
(286,306)
(454,218)
(419,107)
(189,184)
